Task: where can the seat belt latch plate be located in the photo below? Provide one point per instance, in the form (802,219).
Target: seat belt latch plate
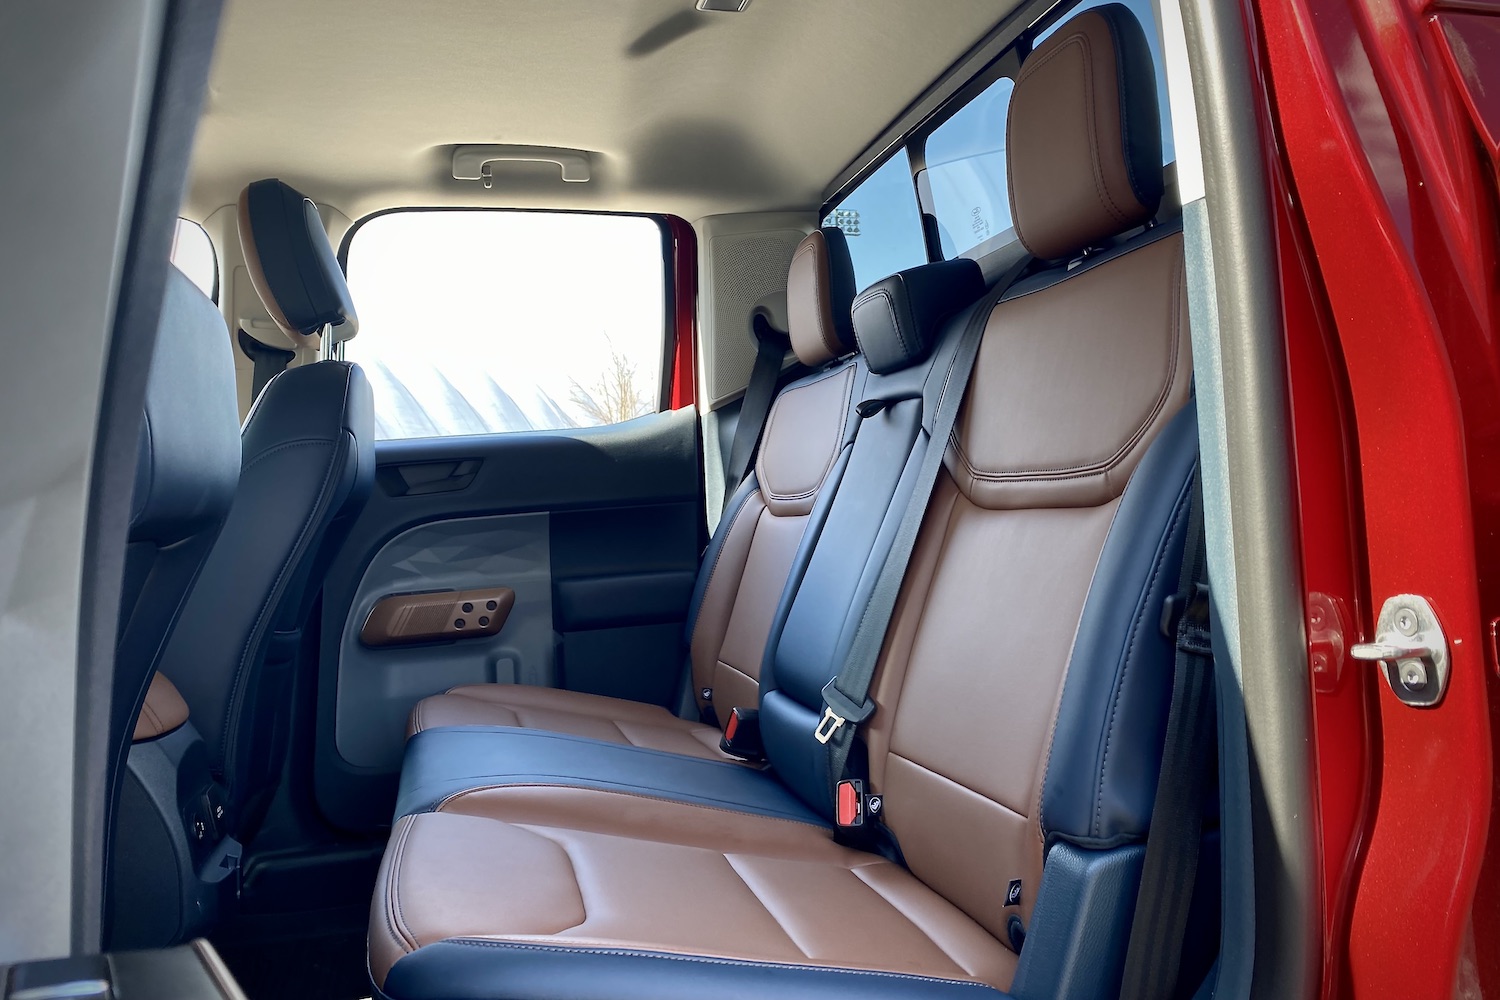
(828,725)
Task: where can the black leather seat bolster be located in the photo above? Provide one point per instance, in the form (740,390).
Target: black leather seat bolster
(478,969)
(442,762)
(1101,776)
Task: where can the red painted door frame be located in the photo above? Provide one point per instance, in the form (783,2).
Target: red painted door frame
(1387,228)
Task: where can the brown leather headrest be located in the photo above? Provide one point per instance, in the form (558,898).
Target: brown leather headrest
(1084,135)
(819,292)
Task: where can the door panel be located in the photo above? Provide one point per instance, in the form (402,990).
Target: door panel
(377,687)
(597,531)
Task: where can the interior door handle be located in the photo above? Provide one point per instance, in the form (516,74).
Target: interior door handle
(415,479)
(434,615)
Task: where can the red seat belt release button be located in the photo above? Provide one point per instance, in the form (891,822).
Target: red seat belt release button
(849,804)
(742,735)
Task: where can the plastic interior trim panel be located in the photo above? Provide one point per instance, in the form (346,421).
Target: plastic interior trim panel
(380,681)
(613,510)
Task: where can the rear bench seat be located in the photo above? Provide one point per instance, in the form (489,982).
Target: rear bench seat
(1021,693)
(746,567)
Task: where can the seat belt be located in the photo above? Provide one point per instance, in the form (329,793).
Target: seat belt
(770,350)
(846,698)
(1169,872)
(269,361)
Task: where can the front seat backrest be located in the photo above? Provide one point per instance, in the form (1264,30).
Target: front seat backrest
(186,468)
(308,466)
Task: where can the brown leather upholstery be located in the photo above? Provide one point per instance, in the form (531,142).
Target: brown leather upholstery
(570,712)
(1077,373)
(802,439)
(819,290)
(1078,175)
(1004,562)
(1025,529)
(163,711)
(586,868)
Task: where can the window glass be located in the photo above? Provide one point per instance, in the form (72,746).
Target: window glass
(966,174)
(882,222)
(1144,12)
(475,322)
(193,253)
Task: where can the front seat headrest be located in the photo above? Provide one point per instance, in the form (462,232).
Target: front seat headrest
(819,292)
(291,262)
(1084,135)
(898,319)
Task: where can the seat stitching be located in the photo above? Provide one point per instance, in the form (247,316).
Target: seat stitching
(572,868)
(713,571)
(889,901)
(395,920)
(832,458)
(273,597)
(443,803)
(1142,613)
(479,942)
(1106,465)
(764,906)
(960,785)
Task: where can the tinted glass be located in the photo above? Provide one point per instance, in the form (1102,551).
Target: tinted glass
(966,173)
(882,222)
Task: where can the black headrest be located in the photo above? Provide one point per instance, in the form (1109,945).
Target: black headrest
(897,319)
(188,460)
(1084,135)
(291,262)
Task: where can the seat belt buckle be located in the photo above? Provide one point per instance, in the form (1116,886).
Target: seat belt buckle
(839,709)
(742,735)
(849,804)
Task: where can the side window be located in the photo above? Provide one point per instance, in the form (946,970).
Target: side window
(193,253)
(965,180)
(477,322)
(882,222)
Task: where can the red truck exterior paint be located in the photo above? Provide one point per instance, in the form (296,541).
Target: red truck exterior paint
(1383,119)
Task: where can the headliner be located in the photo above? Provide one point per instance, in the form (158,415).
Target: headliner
(359,102)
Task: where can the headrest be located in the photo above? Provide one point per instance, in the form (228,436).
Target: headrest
(819,289)
(291,262)
(188,458)
(1084,135)
(897,319)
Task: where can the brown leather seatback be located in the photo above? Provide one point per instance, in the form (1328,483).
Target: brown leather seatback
(801,442)
(1077,373)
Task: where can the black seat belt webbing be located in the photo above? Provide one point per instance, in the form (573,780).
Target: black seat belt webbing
(846,697)
(1170,869)
(755,407)
(269,361)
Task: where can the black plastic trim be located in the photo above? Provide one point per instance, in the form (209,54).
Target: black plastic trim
(189,29)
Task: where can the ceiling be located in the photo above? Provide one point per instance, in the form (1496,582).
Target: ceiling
(359,102)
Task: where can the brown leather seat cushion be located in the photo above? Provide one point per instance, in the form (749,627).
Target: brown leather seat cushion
(572,712)
(584,868)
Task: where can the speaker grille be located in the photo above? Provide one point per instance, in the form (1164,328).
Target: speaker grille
(745,270)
